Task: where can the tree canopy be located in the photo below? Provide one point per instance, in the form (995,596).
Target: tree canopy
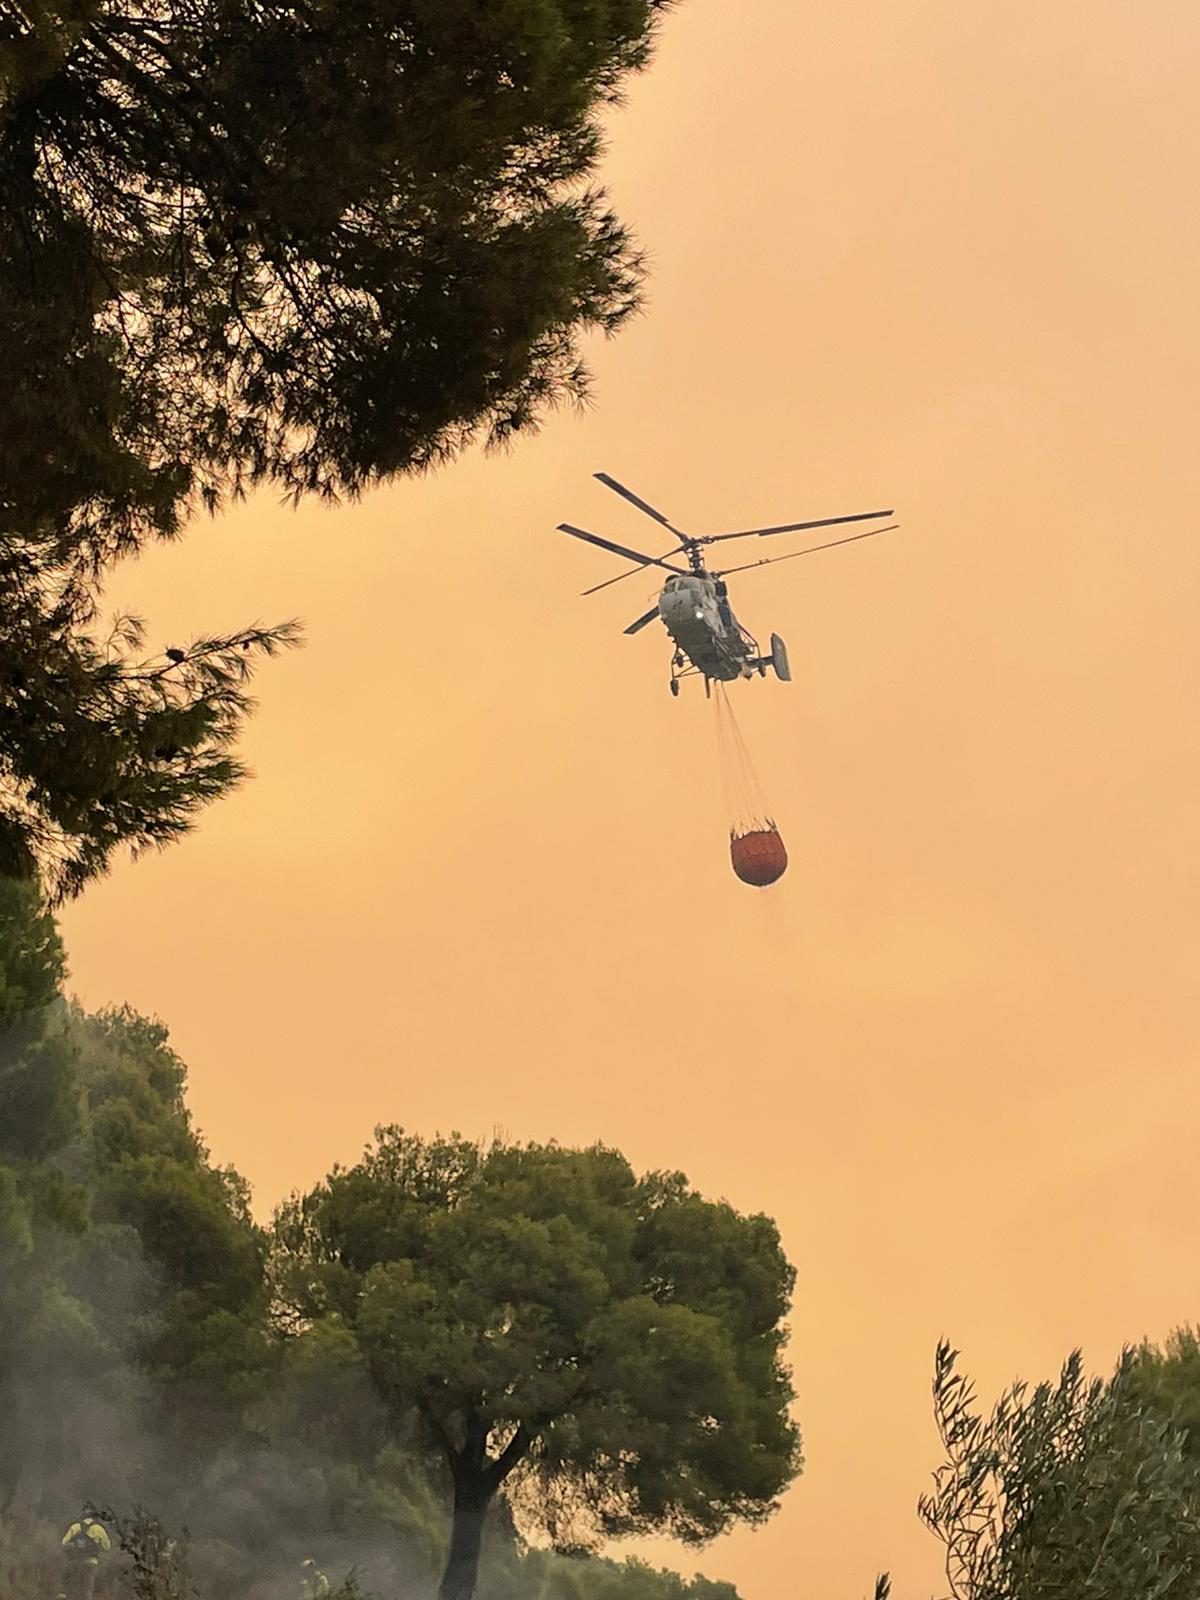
(309,245)
(315,243)
(1167,1378)
(606,1345)
(1075,1488)
(537,1330)
(139,1361)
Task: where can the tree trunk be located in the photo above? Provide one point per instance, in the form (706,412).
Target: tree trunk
(472,1496)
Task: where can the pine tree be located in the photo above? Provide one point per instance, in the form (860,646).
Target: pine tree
(310,245)
(604,1350)
(100,745)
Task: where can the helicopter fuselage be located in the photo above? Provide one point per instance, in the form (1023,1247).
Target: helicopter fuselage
(696,613)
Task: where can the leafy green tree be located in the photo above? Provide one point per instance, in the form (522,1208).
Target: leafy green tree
(135,1359)
(1168,1380)
(607,1348)
(38,1091)
(206,1340)
(32,963)
(40,1212)
(131,1275)
(1074,1489)
(312,245)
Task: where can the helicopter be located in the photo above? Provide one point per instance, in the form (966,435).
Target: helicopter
(694,602)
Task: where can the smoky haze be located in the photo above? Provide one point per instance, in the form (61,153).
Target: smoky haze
(941,254)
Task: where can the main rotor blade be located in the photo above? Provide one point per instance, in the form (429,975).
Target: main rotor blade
(769,561)
(619,549)
(636,627)
(636,500)
(798,527)
(628,573)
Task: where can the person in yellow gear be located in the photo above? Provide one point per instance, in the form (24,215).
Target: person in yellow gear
(314,1585)
(83,1544)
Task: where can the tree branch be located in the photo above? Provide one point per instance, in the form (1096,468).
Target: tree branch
(514,1451)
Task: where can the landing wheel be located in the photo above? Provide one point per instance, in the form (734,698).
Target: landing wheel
(762,669)
(675,686)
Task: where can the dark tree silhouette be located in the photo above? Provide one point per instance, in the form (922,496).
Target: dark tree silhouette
(309,244)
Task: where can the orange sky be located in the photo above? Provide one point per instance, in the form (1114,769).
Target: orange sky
(930,255)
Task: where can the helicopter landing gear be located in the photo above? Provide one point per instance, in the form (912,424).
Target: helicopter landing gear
(675,686)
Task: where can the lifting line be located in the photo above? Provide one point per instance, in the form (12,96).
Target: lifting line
(745,802)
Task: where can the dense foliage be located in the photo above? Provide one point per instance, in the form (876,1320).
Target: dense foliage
(327,1388)
(608,1345)
(313,245)
(1074,1489)
(139,1361)
(1167,1380)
